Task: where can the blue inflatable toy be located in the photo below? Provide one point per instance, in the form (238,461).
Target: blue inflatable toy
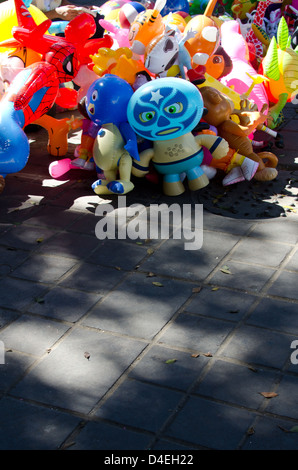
(116,143)
(165,111)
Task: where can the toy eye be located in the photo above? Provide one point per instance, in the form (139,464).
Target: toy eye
(217,60)
(94,95)
(147,116)
(174,108)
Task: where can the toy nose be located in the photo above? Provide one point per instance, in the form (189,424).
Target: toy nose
(163,121)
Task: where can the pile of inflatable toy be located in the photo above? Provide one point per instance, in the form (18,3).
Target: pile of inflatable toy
(173,90)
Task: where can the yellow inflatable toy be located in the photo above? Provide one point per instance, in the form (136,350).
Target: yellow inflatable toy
(8,19)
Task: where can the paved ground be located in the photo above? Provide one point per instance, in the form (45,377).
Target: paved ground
(141,344)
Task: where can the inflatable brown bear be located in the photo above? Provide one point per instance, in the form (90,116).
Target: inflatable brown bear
(219,111)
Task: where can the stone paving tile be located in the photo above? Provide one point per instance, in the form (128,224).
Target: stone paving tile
(243,276)
(53,217)
(226,224)
(271,434)
(30,427)
(93,278)
(139,308)
(259,346)
(169,368)
(4,227)
(32,335)
(220,303)
(279,230)
(26,237)
(7,316)
(292,263)
(26,187)
(237,384)
(66,378)
(84,223)
(197,264)
(26,293)
(285,285)
(163,444)
(10,258)
(198,334)
(141,405)
(279,315)
(68,244)
(64,304)
(13,369)
(210,424)
(125,254)
(252,251)
(103,436)
(16,210)
(285,404)
(78,197)
(43,268)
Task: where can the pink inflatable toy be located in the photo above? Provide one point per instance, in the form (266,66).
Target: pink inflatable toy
(236,47)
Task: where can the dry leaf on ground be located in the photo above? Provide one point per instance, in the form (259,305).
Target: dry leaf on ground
(226,270)
(269,394)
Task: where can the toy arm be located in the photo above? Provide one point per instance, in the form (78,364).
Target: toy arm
(130,138)
(236,129)
(42,75)
(217,146)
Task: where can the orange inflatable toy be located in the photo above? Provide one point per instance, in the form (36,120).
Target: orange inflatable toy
(145,27)
(119,62)
(205,38)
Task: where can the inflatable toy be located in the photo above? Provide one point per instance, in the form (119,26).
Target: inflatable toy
(145,27)
(82,81)
(58,130)
(13,61)
(259,20)
(128,13)
(116,143)
(167,56)
(166,111)
(197,7)
(219,111)
(9,19)
(119,34)
(206,35)
(240,78)
(219,63)
(111,9)
(240,8)
(83,152)
(280,66)
(173,6)
(175,21)
(236,167)
(118,62)
(271,23)
(35,89)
